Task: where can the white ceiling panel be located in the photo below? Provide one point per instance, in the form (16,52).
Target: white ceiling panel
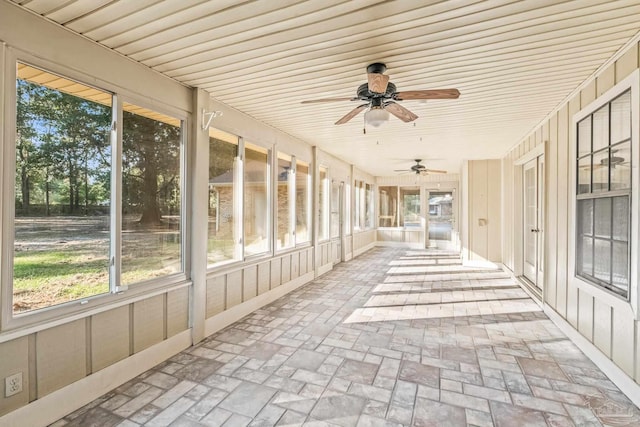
(513,62)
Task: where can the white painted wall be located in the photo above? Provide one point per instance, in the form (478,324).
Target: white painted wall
(481,211)
(604,321)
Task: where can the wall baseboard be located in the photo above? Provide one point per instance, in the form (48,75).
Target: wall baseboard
(522,285)
(384,243)
(364,249)
(50,408)
(625,383)
(227,317)
(324,269)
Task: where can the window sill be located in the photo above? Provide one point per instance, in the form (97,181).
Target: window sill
(410,228)
(609,298)
(235,265)
(31,322)
(363,230)
(223,264)
(288,251)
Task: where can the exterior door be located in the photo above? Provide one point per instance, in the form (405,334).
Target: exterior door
(441,220)
(533,209)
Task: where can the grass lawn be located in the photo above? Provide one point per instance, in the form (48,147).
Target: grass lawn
(47,277)
(62,259)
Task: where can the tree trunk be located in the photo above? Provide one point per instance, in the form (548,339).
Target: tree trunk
(77,197)
(86,188)
(24,182)
(150,207)
(46,193)
(71,190)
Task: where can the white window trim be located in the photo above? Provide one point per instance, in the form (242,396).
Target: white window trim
(41,318)
(631,305)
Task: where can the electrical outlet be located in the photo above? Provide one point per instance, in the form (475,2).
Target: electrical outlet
(13,384)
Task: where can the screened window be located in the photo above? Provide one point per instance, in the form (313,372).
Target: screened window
(68,245)
(368,221)
(410,206)
(224,168)
(62,190)
(285,206)
(256,200)
(358,202)
(323,204)
(335,209)
(388,206)
(303,202)
(151,194)
(347,210)
(603,191)
(362,206)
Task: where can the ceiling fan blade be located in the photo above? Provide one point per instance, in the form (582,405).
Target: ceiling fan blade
(315,101)
(402,170)
(377,82)
(428,94)
(434,171)
(400,112)
(351,114)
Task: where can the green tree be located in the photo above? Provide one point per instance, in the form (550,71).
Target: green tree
(151,169)
(59,137)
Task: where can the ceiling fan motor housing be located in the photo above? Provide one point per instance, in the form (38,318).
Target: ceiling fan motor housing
(377,68)
(380,96)
(365,94)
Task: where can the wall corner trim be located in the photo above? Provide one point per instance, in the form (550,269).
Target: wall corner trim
(364,249)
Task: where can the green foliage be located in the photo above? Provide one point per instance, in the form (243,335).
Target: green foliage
(151,167)
(63,156)
(62,145)
(221,156)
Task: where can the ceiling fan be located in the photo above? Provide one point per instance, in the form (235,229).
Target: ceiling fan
(380,96)
(609,162)
(420,169)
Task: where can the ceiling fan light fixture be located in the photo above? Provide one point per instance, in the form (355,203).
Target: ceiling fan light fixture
(376,116)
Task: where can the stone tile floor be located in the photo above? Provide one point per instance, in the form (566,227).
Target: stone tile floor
(394,337)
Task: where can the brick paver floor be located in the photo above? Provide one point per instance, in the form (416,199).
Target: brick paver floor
(394,337)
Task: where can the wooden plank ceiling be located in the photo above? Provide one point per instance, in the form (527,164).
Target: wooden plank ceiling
(513,62)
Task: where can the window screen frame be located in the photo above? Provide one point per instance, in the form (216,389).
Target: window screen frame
(596,196)
(117,295)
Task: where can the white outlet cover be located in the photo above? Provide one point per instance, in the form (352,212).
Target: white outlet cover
(13,384)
